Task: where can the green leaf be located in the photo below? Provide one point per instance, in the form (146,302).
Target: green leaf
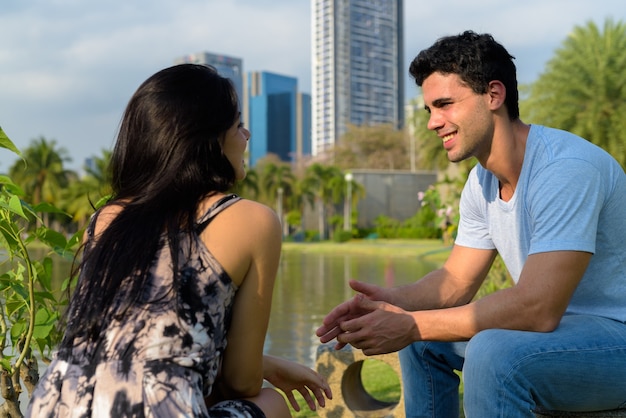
(6,363)
(45,278)
(8,235)
(17,330)
(5,142)
(5,281)
(10,186)
(44,323)
(45,296)
(51,237)
(102,201)
(15,205)
(70,281)
(49,208)
(75,240)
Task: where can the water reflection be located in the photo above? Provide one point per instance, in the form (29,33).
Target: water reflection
(308,286)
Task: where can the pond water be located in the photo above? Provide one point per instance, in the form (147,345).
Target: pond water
(309,285)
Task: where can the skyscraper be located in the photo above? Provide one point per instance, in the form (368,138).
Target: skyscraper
(357,67)
(279,117)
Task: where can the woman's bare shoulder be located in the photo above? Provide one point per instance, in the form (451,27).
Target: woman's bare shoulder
(105,216)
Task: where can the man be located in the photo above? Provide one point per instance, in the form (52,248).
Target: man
(554,207)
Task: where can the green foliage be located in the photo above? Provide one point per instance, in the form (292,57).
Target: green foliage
(420,226)
(583,88)
(30,307)
(342,236)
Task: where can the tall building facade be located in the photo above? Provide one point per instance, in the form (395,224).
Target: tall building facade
(226,66)
(279,117)
(357,67)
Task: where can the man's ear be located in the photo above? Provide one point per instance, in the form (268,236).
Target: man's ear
(497,94)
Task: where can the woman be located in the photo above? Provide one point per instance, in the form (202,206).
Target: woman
(173,299)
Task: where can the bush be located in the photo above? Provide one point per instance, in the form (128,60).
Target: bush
(30,306)
(420,226)
(342,236)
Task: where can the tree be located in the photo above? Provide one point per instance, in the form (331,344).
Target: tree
(583,88)
(277,180)
(82,195)
(375,147)
(318,182)
(249,186)
(41,173)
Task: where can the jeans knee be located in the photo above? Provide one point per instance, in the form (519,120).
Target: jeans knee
(489,356)
(411,354)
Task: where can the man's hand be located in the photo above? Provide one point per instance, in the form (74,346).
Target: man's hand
(385,329)
(346,311)
(375,327)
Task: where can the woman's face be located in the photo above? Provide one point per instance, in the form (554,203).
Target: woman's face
(234,145)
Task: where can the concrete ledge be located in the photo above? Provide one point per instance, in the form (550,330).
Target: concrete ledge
(342,369)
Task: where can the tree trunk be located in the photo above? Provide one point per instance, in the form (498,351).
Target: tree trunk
(11,406)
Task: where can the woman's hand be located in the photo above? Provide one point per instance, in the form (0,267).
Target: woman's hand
(289,376)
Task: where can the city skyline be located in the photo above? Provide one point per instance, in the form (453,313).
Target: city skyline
(69,68)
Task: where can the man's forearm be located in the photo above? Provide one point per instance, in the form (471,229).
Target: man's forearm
(435,290)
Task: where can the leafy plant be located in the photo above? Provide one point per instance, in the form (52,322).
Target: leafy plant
(29,307)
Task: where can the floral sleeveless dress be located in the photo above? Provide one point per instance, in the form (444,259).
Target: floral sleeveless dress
(161,359)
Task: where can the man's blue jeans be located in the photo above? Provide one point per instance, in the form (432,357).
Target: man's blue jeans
(581,366)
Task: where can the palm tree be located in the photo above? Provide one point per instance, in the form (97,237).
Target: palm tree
(318,182)
(583,89)
(80,199)
(41,172)
(277,181)
(249,186)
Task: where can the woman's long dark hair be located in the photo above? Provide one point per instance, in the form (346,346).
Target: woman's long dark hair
(167,157)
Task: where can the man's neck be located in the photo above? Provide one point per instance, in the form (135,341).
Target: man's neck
(507,155)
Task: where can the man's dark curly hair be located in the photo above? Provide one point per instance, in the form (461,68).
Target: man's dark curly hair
(477,58)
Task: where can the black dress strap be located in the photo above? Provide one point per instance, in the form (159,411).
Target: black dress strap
(215,209)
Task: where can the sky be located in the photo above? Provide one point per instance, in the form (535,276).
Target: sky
(69,67)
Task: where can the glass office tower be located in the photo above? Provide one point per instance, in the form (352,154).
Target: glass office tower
(357,67)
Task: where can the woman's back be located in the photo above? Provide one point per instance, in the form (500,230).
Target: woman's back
(162,356)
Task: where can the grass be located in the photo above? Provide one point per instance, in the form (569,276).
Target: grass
(431,250)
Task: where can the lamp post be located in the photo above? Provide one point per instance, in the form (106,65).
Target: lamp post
(347,208)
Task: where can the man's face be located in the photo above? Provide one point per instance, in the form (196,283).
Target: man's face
(460,117)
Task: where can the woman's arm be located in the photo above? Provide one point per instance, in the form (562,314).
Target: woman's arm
(246,240)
